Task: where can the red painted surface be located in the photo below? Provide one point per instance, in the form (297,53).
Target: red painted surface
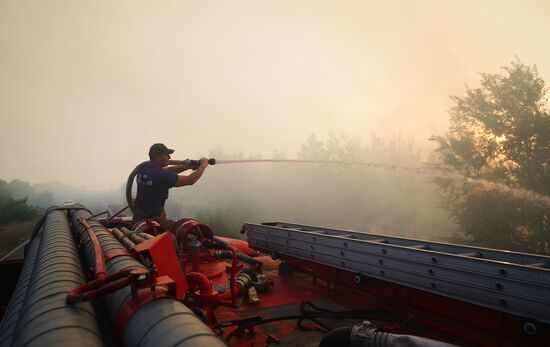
(116,253)
(100,286)
(424,314)
(160,250)
(99,267)
(160,287)
(417,312)
(429,315)
(189,229)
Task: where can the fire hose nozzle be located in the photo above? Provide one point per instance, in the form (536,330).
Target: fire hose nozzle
(194,164)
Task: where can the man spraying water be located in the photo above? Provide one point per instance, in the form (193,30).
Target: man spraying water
(155,179)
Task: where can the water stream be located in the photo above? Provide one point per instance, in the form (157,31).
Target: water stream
(336,162)
(530,196)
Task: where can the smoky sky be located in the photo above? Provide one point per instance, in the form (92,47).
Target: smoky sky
(87,86)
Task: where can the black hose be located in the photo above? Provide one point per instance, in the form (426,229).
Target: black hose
(38,314)
(13,312)
(138,237)
(161,322)
(132,235)
(339,337)
(240,254)
(313,315)
(38,224)
(129,184)
(224,255)
(129,244)
(134,173)
(366,334)
(145,235)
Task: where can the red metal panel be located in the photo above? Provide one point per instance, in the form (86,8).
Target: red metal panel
(430,313)
(161,251)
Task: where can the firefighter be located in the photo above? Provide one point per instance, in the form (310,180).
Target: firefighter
(154,181)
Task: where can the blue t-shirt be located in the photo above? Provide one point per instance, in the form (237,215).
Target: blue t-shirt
(152,191)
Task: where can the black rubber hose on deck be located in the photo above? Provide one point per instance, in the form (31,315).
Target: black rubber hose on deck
(339,337)
(240,254)
(349,336)
(7,329)
(132,235)
(129,244)
(44,317)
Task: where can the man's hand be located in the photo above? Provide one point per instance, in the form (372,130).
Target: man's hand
(194,177)
(203,162)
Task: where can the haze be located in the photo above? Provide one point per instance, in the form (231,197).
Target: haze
(87,86)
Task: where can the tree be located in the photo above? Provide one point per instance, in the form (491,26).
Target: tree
(500,133)
(15,210)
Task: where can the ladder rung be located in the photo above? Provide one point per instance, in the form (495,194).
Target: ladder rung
(378,240)
(419,246)
(541,265)
(307,230)
(472,255)
(534,261)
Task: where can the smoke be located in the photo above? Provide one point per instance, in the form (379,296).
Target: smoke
(394,195)
(87,87)
(92,85)
(376,186)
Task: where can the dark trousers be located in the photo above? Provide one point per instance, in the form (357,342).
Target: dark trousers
(164,222)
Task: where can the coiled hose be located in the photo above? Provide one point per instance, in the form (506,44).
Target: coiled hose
(38,314)
(160,322)
(133,174)
(218,243)
(130,183)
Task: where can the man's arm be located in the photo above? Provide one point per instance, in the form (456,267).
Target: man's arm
(178,168)
(194,177)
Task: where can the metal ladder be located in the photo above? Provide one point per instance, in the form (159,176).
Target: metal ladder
(512,282)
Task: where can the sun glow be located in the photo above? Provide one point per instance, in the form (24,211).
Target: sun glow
(501,138)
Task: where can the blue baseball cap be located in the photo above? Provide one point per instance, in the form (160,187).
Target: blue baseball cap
(159,148)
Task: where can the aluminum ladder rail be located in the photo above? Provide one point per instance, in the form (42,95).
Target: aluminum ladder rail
(512,282)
